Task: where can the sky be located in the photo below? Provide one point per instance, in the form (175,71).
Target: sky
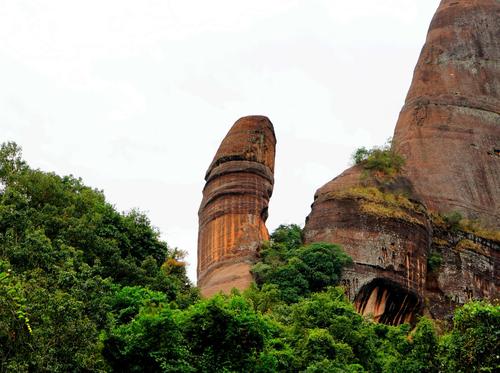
(135,97)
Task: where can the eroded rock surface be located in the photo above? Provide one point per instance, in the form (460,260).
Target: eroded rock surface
(449,127)
(388,237)
(468,268)
(449,133)
(232,214)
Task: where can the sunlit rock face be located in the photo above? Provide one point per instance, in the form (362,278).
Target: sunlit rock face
(449,133)
(449,127)
(232,214)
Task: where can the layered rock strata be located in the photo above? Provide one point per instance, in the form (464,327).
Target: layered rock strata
(232,214)
(388,237)
(449,133)
(467,268)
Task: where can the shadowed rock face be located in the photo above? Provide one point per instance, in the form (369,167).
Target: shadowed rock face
(469,270)
(387,302)
(449,133)
(388,240)
(449,127)
(232,214)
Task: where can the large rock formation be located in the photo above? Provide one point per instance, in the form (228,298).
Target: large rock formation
(449,133)
(449,127)
(232,214)
(388,237)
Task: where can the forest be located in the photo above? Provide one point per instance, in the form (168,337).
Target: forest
(86,288)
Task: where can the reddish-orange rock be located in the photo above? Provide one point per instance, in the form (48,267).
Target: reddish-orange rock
(232,214)
(449,133)
(449,127)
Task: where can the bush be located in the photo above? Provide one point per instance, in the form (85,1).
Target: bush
(379,159)
(434,261)
(453,219)
(360,155)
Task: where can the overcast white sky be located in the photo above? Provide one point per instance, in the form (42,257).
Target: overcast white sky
(135,96)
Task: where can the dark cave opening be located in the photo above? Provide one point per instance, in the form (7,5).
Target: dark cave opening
(388,302)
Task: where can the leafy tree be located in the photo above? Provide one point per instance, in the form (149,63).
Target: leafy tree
(330,312)
(474,343)
(215,335)
(289,236)
(300,270)
(15,325)
(360,155)
(152,342)
(418,350)
(225,334)
(11,160)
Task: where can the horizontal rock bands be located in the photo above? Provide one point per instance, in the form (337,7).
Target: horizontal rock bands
(486,104)
(240,167)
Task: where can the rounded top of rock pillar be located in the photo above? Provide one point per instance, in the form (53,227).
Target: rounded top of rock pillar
(251,139)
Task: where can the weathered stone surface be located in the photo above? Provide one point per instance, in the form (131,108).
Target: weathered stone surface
(449,133)
(232,214)
(469,270)
(449,127)
(388,239)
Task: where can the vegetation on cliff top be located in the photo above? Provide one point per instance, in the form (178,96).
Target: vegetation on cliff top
(379,159)
(454,221)
(374,201)
(86,288)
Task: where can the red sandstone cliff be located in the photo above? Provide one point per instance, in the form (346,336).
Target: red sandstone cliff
(449,133)
(449,127)
(232,214)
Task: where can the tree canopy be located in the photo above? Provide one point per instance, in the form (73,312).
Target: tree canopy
(84,287)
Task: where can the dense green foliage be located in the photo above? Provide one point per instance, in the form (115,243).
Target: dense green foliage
(64,254)
(85,288)
(474,343)
(382,159)
(298,270)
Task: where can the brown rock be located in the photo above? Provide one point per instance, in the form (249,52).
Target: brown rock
(468,270)
(388,238)
(449,127)
(232,214)
(449,133)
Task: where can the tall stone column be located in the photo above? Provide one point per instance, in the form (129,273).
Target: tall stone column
(233,212)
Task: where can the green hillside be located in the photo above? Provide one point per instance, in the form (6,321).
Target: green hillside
(86,288)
